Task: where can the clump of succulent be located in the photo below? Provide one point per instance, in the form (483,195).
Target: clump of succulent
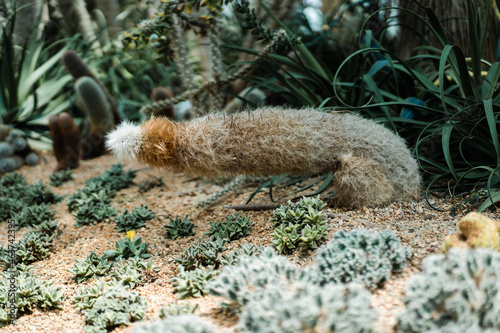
(148,184)
(246,249)
(60,177)
(116,306)
(135,219)
(192,283)
(456,290)
(90,194)
(129,247)
(32,216)
(232,228)
(134,271)
(92,201)
(179,227)
(94,213)
(12,179)
(300,224)
(303,307)
(176,324)
(115,178)
(31,293)
(202,253)
(93,266)
(16,194)
(361,256)
(35,245)
(176,309)
(253,274)
(86,296)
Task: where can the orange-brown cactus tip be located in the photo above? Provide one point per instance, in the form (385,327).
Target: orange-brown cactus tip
(158,146)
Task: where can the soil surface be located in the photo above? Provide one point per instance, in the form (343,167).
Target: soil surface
(417,224)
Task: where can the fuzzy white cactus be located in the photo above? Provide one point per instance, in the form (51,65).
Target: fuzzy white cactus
(372,165)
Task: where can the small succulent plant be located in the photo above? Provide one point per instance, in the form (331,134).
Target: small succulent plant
(202,253)
(116,306)
(60,177)
(90,194)
(253,274)
(176,309)
(129,247)
(232,228)
(192,283)
(94,213)
(32,216)
(135,219)
(456,292)
(31,293)
(35,245)
(134,271)
(299,225)
(16,194)
(85,297)
(93,266)
(179,228)
(246,249)
(100,190)
(185,323)
(302,307)
(115,178)
(361,256)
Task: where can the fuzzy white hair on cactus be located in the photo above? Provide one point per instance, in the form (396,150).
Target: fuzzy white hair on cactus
(125,140)
(372,165)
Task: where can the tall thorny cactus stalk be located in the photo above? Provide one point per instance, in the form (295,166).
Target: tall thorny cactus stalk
(167,28)
(278,40)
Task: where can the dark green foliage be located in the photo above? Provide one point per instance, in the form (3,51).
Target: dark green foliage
(299,224)
(32,216)
(202,253)
(129,248)
(60,177)
(16,194)
(89,195)
(247,249)
(360,255)
(135,219)
(175,309)
(33,246)
(8,206)
(179,228)
(192,283)
(93,213)
(456,292)
(115,178)
(12,179)
(31,293)
(92,267)
(232,228)
(116,306)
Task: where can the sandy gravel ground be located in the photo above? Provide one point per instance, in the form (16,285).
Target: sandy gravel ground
(417,225)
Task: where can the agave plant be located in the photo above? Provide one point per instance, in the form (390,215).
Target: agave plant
(33,83)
